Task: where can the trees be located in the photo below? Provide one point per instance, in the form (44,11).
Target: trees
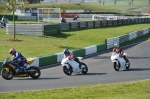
(12,5)
(130,2)
(115,1)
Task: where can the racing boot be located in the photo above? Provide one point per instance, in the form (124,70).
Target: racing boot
(80,65)
(77,60)
(127,61)
(17,70)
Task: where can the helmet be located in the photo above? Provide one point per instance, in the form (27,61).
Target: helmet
(116,45)
(12,51)
(66,51)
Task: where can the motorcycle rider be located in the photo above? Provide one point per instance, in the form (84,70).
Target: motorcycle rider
(71,56)
(76,17)
(118,49)
(18,58)
(3,21)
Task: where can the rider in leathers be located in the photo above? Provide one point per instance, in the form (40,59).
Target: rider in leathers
(118,49)
(71,56)
(17,58)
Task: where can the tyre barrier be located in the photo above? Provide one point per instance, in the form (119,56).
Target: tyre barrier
(127,37)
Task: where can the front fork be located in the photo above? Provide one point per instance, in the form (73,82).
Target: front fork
(67,65)
(116,61)
(6,69)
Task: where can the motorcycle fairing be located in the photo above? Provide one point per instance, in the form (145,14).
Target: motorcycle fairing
(74,65)
(80,58)
(22,75)
(121,60)
(30,61)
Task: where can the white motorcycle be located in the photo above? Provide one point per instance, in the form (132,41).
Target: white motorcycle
(119,61)
(71,66)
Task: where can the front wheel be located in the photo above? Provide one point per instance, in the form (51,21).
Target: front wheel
(36,74)
(7,73)
(85,68)
(116,66)
(67,71)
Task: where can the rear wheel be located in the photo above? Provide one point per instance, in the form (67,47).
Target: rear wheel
(85,68)
(67,71)
(128,65)
(36,74)
(116,66)
(7,73)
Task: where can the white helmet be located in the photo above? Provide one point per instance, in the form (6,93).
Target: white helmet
(116,45)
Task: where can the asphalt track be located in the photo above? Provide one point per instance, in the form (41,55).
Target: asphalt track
(100,72)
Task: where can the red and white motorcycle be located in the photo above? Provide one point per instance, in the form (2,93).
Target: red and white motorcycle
(71,66)
(119,61)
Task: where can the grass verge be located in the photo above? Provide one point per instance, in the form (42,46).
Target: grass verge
(127,90)
(33,46)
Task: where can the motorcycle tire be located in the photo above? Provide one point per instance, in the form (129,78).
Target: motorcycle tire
(116,67)
(35,75)
(84,70)
(7,75)
(67,71)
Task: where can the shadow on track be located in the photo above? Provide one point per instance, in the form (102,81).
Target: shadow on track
(44,78)
(89,74)
(108,57)
(138,69)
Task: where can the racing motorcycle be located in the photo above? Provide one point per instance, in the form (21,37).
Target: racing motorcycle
(119,61)
(76,17)
(8,70)
(4,23)
(71,66)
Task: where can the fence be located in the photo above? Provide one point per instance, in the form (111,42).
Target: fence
(124,38)
(41,30)
(25,29)
(51,29)
(103,23)
(33,29)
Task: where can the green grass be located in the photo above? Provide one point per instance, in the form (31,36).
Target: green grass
(124,7)
(127,90)
(33,46)
(107,7)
